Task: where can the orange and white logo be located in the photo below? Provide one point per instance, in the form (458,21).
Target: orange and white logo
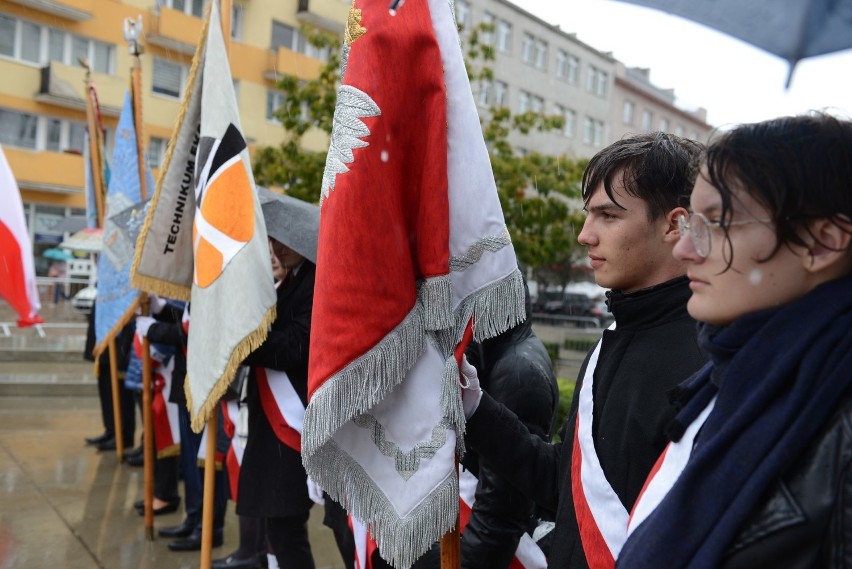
(224,218)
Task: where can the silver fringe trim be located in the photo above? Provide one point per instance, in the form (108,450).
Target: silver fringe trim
(406,463)
(490,243)
(451,402)
(343,395)
(400,540)
(435,294)
(495,308)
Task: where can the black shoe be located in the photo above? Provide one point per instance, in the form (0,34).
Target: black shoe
(138,451)
(134,460)
(183,530)
(193,542)
(232,562)
(170,507)
(110,445)
(105,436)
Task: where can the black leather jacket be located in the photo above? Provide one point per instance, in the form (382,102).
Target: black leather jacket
(805,520)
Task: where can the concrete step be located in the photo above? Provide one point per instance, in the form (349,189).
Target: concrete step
(47,379)
(67,347)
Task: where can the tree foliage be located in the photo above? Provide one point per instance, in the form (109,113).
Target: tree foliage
(536,190)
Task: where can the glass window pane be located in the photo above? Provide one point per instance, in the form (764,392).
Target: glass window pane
(76,136)
(166,78)
(282,36)
(56,45)
(103,54)
(79,50)
(7,35)
(30,42)
(179,5)
(54,131)
(197,8)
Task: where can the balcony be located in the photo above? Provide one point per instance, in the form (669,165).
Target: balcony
(174,30)
(52,172)
(65,86)
(74,10)
(329,15)
(287,62)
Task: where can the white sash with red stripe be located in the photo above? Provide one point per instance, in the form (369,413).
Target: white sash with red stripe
(601,517)
(666,471)
(282,406)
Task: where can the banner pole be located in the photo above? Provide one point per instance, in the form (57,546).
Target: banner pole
(209,490)
(116,399)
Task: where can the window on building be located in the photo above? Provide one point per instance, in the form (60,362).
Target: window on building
(596,81)
(283,36)
(485,92)
(592,131)
(488,32)
(77,136)
(156,151)
(191,7)
(463,14)
(237,21)
(664,125)
(561,63)
(168,78)
(18,129)
(540,54)
(524,102)
(528,48)
(679,130)
(647,119)
(569,116)
(536,104)
(573,69)
(627,113)
(504,36)
(53,139)
(274,101)
(31,42)
(501,94)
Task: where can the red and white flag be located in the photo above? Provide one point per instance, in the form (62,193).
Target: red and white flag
(413,249)
(164,413)
(17,269)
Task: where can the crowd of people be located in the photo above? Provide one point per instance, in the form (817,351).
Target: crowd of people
(711,424)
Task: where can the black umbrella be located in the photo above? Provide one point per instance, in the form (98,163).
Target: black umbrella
(291,221)
(791,29)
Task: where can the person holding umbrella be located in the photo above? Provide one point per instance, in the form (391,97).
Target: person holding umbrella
(272,480)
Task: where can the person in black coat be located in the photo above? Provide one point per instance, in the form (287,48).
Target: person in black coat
(273,482)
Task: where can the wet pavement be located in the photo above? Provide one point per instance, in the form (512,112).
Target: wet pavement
(63,504)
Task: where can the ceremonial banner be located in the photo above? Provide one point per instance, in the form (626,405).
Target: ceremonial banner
(413,249)
(17,270)
(97,172)
(204,237)
(117,299)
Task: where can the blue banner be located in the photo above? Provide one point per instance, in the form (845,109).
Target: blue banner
(116,298)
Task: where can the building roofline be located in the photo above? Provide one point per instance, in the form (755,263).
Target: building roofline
(626,83)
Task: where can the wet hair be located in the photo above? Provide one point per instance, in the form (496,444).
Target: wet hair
(656,167)
(799,168)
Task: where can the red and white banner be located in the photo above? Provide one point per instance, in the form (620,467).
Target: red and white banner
(413,247)
(17,269)
(164,413)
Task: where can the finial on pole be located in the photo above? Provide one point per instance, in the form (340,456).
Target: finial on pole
(132,31)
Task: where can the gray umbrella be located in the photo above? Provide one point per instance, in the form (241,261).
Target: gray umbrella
(792,29)
(293,222)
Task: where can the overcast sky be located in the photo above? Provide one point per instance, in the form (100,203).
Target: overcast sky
(734,81)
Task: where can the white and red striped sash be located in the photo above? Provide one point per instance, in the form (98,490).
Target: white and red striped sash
(282,406)
(666,471)
(601,517)
(234,458)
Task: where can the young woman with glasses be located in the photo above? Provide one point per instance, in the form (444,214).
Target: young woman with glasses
(759,469)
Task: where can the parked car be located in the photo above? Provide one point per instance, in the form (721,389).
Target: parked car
(602,313)
(84,300)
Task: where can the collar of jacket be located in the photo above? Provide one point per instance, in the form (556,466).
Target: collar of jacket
(650,306)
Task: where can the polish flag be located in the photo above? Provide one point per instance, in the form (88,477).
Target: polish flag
(17,270)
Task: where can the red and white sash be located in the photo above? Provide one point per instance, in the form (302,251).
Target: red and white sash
(234,458)
(282,406)
(164,414)
(601,517)
(666,471)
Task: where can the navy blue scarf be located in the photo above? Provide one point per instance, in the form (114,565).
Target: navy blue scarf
(778,375)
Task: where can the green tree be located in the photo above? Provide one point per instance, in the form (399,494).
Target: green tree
(535,190)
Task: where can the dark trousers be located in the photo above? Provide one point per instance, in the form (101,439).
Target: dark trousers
(193,476)
(128,413)
(288,539)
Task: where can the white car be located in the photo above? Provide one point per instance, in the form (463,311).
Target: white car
(84,300)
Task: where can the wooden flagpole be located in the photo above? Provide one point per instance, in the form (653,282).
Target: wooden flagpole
(132,32)
(212,421)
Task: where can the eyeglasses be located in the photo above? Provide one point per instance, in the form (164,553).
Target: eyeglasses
(698,227)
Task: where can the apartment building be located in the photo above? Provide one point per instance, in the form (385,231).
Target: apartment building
(541,68)
(640,106)
(42,105)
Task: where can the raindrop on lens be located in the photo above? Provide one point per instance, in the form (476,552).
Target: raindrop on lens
(384,155)
(755,276)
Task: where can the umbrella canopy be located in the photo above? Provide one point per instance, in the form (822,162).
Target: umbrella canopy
(70,224)
(791,29)
(293,222)
(57,255)
(89,240)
